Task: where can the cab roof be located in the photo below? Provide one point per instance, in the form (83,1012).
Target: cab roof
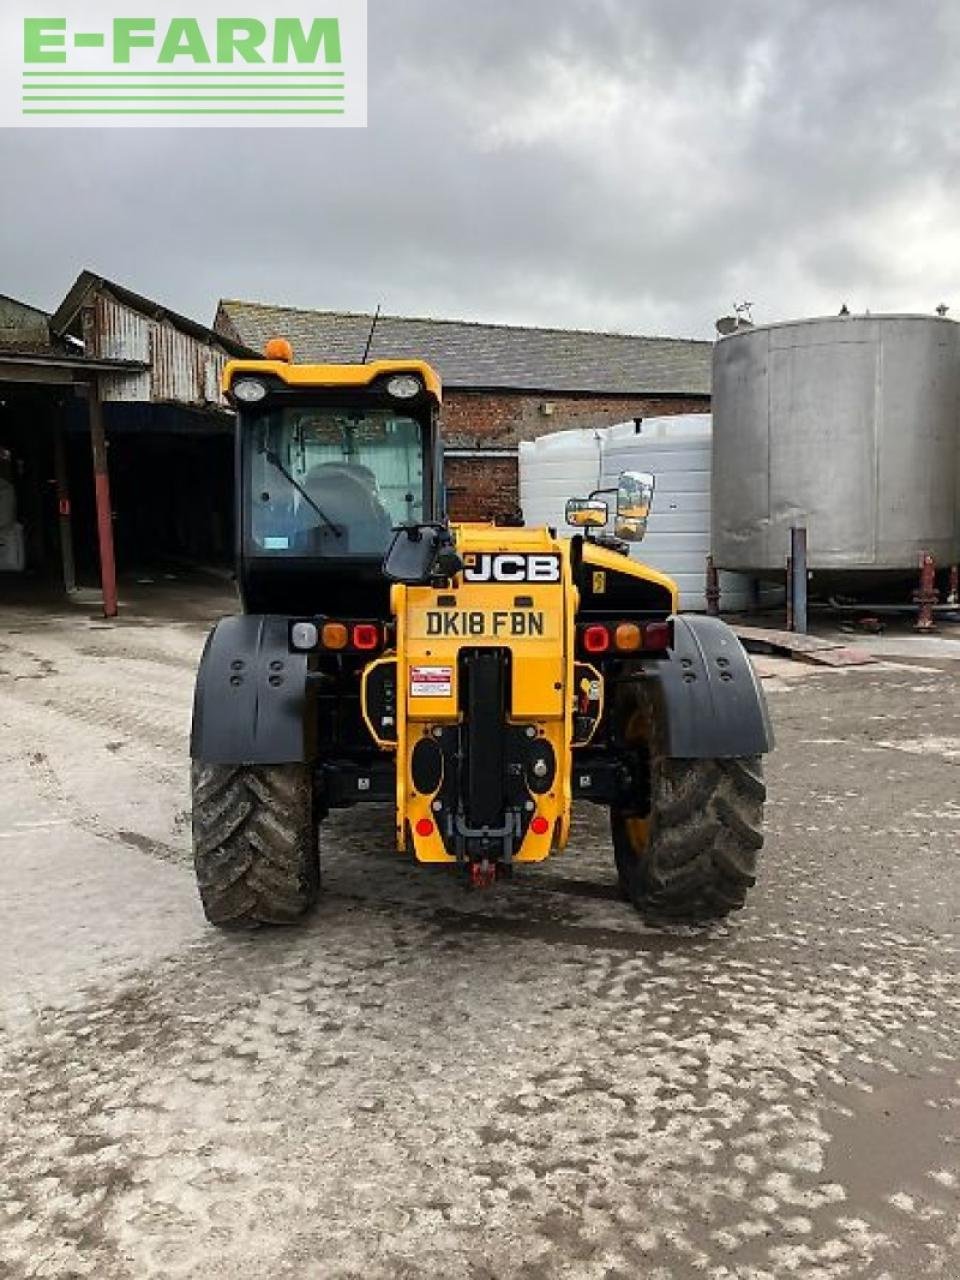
(333,375)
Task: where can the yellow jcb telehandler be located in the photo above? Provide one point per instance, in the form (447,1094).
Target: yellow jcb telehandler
(479,678)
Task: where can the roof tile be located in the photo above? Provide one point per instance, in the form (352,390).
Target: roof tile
(469,354)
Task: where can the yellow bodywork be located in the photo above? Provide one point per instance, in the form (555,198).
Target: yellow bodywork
(603,561)
(542,658)
(542,676)
(319,376)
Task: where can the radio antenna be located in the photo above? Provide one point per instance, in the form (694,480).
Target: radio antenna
(373,329)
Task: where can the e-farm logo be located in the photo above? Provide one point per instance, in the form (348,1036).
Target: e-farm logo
(135,64)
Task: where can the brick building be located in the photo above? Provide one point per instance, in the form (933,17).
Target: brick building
(502,383)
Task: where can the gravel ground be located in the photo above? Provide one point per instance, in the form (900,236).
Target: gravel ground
(423,1082)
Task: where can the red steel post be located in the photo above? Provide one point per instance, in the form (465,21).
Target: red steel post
(101,483)
(928,595)
(712,592)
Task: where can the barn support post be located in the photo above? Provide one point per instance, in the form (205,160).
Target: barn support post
(798,571)
(64,514)
(101,481)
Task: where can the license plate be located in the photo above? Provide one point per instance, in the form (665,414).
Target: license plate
(482,624)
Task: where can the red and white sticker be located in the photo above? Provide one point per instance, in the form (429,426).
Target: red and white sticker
(431,682)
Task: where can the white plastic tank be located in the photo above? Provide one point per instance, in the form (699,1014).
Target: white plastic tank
(678,451)
(556,467)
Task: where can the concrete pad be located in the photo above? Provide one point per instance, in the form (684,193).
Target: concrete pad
(425,1082)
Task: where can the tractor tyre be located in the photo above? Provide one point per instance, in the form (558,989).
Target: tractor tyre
(255,847)
(688,849)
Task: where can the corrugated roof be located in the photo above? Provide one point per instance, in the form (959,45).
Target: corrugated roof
(25,328)
(65,320)
(489,356)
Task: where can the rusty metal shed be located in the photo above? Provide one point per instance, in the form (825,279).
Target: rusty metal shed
(40,378)
(150,402)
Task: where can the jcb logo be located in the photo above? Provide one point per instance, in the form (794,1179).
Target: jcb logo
(509,567)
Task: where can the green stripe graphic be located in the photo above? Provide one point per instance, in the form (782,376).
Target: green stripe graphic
(183,97)
(182,111)
(183,73)
(300,88)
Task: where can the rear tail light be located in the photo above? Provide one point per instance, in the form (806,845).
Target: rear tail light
(424,827)
(656,635)
(596,639)
(625,637)
(338,637)
(366,636)
(628,636)
(539,826)
(304,636)
(334,635)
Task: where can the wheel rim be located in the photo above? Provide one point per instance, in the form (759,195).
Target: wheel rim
(637,831)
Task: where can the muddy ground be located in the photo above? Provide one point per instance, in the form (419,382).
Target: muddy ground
(421,1082)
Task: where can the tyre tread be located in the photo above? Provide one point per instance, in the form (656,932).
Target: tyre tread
(706,828)
(254,843)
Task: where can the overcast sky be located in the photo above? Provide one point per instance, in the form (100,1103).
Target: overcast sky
(632,165)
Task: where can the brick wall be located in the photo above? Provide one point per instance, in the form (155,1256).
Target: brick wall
(480,418)
(481,488)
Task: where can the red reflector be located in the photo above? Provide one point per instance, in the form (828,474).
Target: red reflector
(424,827)
(656,635)
(596,639)
(539,826)
(366,635)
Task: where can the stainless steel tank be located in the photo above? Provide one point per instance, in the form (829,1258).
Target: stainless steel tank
(848,426)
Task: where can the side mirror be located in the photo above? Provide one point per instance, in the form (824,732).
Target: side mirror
(634,500)
(420,553)
(447,563)
(412,555)
(587,513)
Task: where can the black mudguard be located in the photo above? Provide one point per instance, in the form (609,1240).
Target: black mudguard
(709,694)
(250,705)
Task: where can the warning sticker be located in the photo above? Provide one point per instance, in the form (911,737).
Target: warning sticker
(431,682)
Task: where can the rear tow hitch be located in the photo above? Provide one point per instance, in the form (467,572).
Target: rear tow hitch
(483,873)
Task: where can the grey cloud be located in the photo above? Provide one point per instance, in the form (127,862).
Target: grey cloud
(608,163)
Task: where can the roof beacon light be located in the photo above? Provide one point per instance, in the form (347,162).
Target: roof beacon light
(279,349)
(249,390)
(404,386)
